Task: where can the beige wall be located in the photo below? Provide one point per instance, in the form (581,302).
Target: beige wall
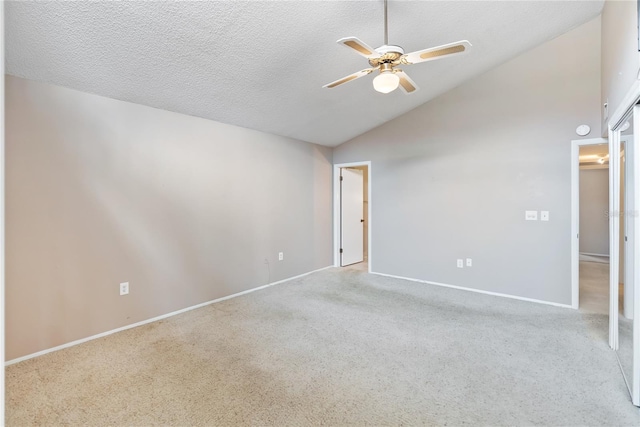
(594,206)
(453,178)
(620,57)
(100,191)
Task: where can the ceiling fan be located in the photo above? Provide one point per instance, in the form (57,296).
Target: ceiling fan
(387,57)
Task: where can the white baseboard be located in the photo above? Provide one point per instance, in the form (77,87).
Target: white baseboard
(592,254)
(155,319)
(462,288)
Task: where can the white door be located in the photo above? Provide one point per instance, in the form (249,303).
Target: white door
(634,165)
(629,224)
(351,211)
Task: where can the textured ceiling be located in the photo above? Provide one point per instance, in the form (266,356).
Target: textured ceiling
(262,64)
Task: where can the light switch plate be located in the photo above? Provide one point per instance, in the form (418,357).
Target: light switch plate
(531,215)
(469,262)
(544,215)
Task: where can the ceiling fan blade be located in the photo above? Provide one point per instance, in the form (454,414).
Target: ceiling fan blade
(437,52)
(407,85)
(359,46)
(349,78)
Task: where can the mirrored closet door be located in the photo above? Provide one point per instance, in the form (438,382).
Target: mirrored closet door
(624,279)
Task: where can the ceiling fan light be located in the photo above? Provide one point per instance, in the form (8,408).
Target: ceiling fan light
(386,81)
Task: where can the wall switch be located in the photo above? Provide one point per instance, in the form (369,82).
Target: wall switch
(280,256)
(531,215)
(460,264)
(469,262)
(124,288)
(544,215)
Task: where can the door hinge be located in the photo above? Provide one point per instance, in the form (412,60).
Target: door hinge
(340,250)
(340,178)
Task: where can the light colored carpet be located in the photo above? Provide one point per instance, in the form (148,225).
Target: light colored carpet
(625,346)
(594,298)
(338,347)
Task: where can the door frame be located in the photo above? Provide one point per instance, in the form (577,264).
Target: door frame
(575,214)
(336,211)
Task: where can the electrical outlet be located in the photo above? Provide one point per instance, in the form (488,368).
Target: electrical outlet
(469,262)
(280,256)
(531,215)
(460,264)
(124,288)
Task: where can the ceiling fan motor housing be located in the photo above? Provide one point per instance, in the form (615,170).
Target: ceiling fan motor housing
(388,55)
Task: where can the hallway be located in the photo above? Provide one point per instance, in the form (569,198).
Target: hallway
(594,285)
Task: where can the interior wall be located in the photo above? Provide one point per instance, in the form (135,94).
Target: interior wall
(594,205)
(620,57)
(100,191)
(454,177)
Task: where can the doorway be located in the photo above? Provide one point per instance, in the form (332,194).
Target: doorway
(593,228)
(352,216)
(590,225)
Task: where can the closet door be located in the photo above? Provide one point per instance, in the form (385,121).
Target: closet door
(625,238)
(633,165)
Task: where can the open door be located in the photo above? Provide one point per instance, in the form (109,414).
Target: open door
(351,216)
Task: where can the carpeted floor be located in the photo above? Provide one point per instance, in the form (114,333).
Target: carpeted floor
(594,298)
(338,347)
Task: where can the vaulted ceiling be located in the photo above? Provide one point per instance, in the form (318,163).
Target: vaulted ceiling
(262,64)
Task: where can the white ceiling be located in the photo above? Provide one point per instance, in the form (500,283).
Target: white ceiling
(261,64)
